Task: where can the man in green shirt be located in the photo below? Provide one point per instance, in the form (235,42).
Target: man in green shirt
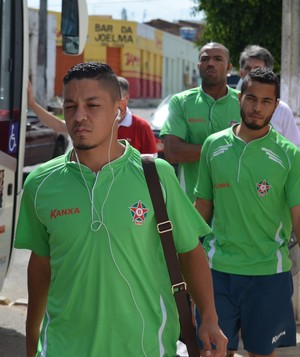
(248,189)
(97,275)
(198,112)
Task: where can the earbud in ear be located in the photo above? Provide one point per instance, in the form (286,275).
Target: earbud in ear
(118,116)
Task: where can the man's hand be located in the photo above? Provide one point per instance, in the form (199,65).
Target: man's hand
(210,333)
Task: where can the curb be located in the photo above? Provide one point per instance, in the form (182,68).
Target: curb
(4,300)
(7,302)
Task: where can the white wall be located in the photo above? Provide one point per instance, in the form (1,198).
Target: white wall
(180,57)
(51,50)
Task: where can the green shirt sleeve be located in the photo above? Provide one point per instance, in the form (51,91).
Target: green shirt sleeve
(31,233)
(175,123)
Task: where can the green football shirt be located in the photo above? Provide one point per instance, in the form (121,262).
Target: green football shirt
(110,292)
(252,186)
(193,116)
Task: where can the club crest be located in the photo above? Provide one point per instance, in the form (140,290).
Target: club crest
(138,212)
(263,188)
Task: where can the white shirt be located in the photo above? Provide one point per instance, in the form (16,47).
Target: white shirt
(284,123)
(127,121)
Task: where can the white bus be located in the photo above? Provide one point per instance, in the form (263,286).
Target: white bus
(13,103)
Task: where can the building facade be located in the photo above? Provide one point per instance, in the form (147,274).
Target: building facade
(155,63)
(51,51)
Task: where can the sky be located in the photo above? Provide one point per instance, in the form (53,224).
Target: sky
(137,10)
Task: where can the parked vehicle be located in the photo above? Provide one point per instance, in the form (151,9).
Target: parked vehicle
(42,143)
(157,120)
(233,80)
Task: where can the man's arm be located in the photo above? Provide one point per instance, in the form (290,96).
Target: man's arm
(178,151)
(205,208)
(39,276)
(197,275)
(295,212)
(45,117)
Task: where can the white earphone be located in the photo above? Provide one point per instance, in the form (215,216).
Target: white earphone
(118,116)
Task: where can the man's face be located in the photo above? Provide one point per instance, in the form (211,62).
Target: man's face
(258,103)
(251,63)
(89,112)
(213,65)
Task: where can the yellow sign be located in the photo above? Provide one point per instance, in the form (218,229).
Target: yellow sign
(58,21)
(114,33)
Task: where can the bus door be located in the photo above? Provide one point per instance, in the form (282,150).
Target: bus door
(11,111)
(13,103)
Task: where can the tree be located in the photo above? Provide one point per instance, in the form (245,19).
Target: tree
(238,23)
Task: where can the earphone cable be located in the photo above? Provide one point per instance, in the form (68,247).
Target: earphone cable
(100,223)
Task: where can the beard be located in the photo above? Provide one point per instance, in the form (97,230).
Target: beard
(254,125)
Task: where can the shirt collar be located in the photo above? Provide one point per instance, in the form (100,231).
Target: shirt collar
(211,98)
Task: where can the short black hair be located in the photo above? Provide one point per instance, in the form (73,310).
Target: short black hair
(96,71)
(262,75)
(215,45)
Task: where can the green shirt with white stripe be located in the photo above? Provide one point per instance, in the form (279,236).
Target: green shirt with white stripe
(110,292)
(252,186)
(193,116)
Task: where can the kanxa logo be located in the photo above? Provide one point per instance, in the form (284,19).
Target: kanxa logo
(63,212)
(276,338)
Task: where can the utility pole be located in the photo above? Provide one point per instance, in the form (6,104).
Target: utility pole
(289,83)
(41,94)
(290,55)
(124,14)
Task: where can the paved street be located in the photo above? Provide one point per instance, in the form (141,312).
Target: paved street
(12,317)
(12,331)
